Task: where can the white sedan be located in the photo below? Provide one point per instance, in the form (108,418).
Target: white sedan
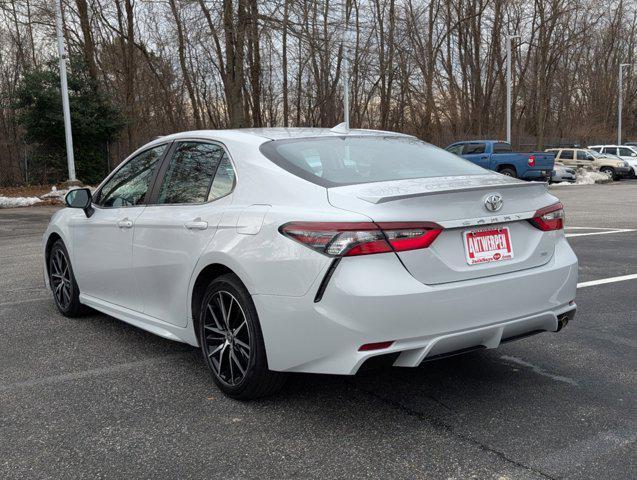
(312,250)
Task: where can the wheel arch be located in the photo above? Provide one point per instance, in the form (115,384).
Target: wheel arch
(53,237)
(507,165)
(199,285)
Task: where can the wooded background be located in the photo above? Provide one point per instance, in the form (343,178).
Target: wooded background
(430,68)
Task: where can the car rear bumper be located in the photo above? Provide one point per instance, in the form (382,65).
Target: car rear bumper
(374,299)
(564,177)
(538,175)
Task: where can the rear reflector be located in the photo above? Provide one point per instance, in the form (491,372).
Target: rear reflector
(346,239)
(375,346)
(549,218)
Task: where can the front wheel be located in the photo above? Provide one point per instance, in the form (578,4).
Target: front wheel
(62,280)
(232,343)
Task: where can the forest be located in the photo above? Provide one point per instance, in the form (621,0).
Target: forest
(435,69)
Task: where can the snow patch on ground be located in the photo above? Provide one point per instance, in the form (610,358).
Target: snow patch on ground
(586,177)
(12,202)
(55,193)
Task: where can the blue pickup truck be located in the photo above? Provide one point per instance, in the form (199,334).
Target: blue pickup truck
(499,157)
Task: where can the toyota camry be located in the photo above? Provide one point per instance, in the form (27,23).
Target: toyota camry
(312,250)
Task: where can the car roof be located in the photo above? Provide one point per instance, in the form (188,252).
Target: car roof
(259,135)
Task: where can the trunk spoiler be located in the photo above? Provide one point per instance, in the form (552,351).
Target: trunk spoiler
(418,187)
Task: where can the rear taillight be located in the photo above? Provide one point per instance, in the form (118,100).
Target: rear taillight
(340,239)
(531,160)
(549,218)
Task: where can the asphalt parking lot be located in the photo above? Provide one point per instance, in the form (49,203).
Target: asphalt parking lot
(97,398)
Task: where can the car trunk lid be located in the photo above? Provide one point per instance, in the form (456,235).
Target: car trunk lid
(458,204)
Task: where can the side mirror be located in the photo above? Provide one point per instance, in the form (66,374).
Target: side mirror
(80,198)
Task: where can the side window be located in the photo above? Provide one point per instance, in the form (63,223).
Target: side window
(457,149)
(597,149)
(129,185)
(223,182)
(626,152)
(611,150)
(566,155)
(582,155)
(190,175)
(473,148)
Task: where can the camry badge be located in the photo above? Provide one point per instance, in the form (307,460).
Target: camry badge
(493,202)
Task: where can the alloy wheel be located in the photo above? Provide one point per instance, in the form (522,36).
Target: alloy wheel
(61,280)
(226,337)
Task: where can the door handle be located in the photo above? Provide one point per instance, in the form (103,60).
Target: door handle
(126,223)
(196,225)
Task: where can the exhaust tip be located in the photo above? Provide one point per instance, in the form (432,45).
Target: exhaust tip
(564,318)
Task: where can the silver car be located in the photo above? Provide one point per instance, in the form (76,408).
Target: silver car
(312,250)
(562,173)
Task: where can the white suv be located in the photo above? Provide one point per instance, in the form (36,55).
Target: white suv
(625,152)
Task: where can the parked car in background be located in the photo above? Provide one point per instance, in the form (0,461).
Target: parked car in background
(592,160)
(631,144)
(625,152)
(562,173)
(312,250)
(499,156)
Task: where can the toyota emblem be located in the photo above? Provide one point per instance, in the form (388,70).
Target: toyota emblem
(493,202)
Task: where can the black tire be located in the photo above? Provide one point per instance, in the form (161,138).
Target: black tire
(609,171)
(66,293)
(509,172)
(227,297)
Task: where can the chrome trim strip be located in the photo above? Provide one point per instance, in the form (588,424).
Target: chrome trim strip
(473,222)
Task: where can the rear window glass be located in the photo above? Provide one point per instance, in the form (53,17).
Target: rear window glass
(474,148)
(502,147)
(335,161)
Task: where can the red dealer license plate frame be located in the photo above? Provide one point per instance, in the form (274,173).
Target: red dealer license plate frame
(487,245)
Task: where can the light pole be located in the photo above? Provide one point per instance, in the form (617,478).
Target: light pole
(65,92)
(509,39)
(345,41)
(620,100)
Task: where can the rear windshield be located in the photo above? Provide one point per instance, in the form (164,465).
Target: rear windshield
(502,147)
(336,161)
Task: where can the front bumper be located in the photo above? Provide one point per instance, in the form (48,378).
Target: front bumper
(624,171)
(374,299)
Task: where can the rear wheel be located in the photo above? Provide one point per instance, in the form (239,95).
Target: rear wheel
(509,172)
(232,343)
(62,280)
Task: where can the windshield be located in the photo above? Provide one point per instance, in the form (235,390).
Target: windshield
(336,161)
(597,154)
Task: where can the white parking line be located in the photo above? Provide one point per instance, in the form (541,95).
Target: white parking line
(601,281)
(614,230)
(589,228)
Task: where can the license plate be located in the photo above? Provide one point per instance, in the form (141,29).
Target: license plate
(487,245)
